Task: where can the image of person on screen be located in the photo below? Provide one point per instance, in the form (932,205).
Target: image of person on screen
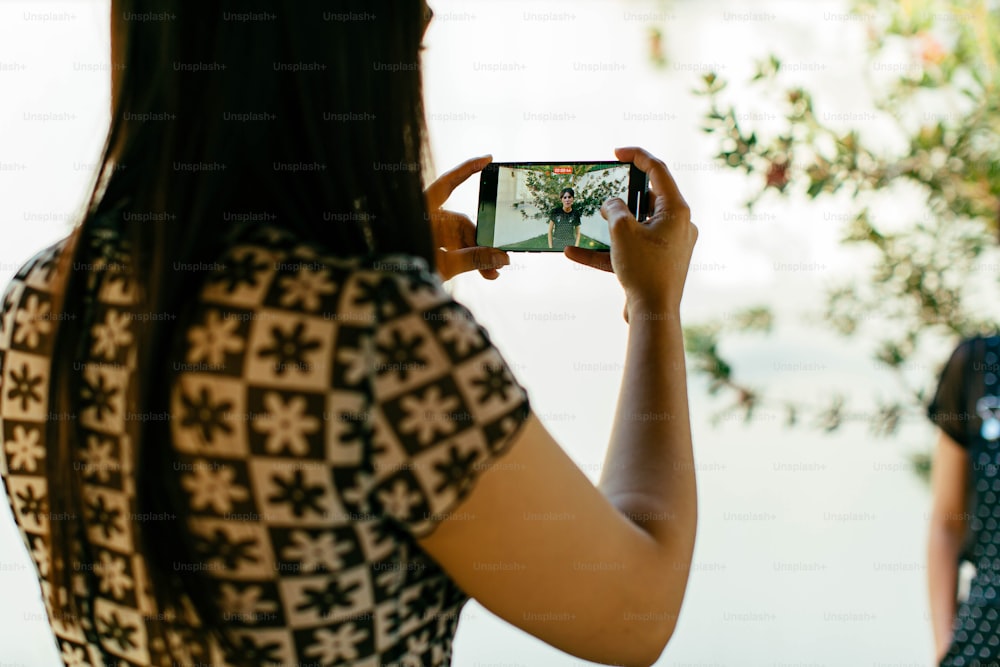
(564,222)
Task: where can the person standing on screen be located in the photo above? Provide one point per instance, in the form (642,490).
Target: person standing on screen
(564,222)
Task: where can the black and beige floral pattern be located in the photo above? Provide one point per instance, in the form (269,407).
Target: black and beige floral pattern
(324,413)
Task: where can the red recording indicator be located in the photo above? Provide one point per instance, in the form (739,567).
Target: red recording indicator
(562,170)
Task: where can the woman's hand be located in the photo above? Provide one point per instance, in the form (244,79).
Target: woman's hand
(454,233)
(650,258)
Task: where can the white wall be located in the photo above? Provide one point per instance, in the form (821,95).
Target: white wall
(810,548)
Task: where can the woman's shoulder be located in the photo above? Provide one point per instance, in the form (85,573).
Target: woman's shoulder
(271,239)
(34,278)
(263,266)
(975,347)
(42,263)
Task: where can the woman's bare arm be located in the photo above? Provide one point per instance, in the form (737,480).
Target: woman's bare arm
(947,530)
(599,573)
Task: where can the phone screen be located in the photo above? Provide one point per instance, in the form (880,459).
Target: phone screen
(534,206)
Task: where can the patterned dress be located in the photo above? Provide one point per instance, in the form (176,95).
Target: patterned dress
(564,227)
(324,413)
(966,407)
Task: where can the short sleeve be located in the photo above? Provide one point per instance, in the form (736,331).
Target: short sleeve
(949,409)
(577,221)
(445,404)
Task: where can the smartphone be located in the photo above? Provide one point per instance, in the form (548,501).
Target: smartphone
(545,206)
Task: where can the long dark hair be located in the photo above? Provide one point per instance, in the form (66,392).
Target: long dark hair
(309,118)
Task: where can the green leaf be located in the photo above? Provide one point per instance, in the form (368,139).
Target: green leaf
(832,417)
(757,318)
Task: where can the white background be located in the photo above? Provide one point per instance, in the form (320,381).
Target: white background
(811,547)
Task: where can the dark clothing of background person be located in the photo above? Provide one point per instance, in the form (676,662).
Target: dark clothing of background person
(564,230)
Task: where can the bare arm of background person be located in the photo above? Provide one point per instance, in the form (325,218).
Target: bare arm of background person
(947,530)
(599,572)
(551,225)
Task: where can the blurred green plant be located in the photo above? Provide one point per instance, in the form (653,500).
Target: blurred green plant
(933,74)
(545,187)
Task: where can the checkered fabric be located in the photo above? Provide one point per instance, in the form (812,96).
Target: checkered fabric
(324,413)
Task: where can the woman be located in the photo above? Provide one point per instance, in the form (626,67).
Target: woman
(244,424)
(564,222)
(964,520)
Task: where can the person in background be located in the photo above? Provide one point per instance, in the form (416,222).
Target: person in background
(268,435)
(965,517)
(564,222)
